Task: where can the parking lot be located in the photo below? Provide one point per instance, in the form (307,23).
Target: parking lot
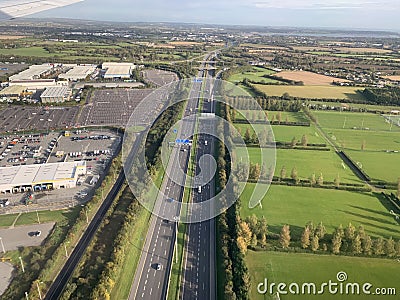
(25,236)
(159,77)
(11,68)
(26,149)
(95,147)
(112,107)
(19,118)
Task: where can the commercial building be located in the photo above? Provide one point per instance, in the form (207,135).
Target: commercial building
(118,70)
(56,94)
(34,85)
(12,92)
(27,178)
(78,73)
(34,72)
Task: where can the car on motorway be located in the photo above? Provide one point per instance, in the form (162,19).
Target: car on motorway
(157,266)
(170,200)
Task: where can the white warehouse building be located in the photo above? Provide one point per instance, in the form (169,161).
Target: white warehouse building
(56,94)
(78,72)
(27,178)
(34,72)
(118,70)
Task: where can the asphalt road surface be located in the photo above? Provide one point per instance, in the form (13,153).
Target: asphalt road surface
(198,281)
(22,236)
(153,272)
(150,283)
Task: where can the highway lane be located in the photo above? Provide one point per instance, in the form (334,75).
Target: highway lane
(150,283)
(198,280)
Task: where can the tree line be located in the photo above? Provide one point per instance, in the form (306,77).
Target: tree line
(350,240)
(382,96)
(235,274)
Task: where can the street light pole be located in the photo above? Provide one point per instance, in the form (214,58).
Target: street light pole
(176,243)
(22,266)
(38,288)
(2,245)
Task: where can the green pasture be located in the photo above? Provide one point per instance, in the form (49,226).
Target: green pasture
(297,206)
(255,75)
(308,268)
(306,163)
(286,133)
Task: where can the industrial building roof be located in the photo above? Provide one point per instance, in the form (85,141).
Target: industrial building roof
(78,72)
(118,69)
(34,72)
(46,173)
(55,92)
(12,90)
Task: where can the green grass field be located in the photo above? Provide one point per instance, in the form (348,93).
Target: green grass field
(347,120)
(311,92)
(31,217)
(378,158)
(306,162)
(378,165)
(287,133)
(308,268)
(255,75)
(296,206)
(7,220)
(28,51)
(122,286)
(374,140)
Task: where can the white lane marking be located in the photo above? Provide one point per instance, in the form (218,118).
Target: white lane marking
(151,290)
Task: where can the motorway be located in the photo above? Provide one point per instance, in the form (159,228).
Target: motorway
(150,283)
(199,281)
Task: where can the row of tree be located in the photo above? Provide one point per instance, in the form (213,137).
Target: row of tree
(347,240)
(389,95)
(236,279)
(253,232)
(256,172)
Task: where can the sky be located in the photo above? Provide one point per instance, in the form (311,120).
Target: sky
(349,14)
